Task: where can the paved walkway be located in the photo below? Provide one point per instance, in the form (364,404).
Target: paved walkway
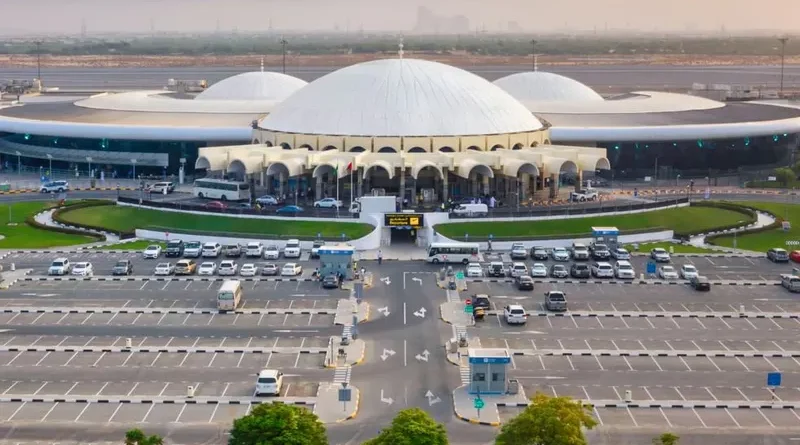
(46,218)
(328,407)
(464,405)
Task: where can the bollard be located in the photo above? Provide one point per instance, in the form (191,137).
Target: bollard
(190,391)
(671,249)
(641,276)
(741,309)
(13,267)
(128,343)
(628,396)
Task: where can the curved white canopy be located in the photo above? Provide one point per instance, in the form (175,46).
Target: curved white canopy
(540,86)
(421,164)
(256,85)
(380,163)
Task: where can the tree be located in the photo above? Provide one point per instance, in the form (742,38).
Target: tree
(666,439)
(278,424)
(784,175)
(547,421)
(412,426)
(137,437)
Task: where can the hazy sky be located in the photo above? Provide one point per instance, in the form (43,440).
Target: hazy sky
(65,16)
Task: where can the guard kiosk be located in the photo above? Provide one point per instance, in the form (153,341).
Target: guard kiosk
(605,235)
(487,370)
(335,260)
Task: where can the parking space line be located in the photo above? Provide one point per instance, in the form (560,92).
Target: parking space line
(652,326)
(84,410)
(211,362)
(184,359)
(725,323)
(178,419)
(16,411)
(708,390)
(110,419)
(155,360)
(71,388)
(37,319)
(62,318)
(714,363)
(10,321)
(167,284)
(9,341)
(9,388)
(599,322)
(143,285)
(147,414)
(700,323)
(186,319)
(50,411)
(541,362)
(733,418)
(597,359)
(575,323)
(102,388)
(648,393)
(112,318)
(98,360)
(212,318)
(628,363)
(688,368)
(12,360)
(677,326)
(771,364)
(163,389)
(87,318)
(751,323)
(742,363)
(678,391)
(40,388)
(765,418)
(656,362)
(133,389)
(70,359)
(635,423)
(136,319)
(723,345)
(161,319)
(696,345)
(743,394)
(668,345)
(42,359)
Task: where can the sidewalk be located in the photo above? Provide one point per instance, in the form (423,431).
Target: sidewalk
(328,407)
(464,405)
(46,218)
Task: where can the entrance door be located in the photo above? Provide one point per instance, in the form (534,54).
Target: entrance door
(404,235)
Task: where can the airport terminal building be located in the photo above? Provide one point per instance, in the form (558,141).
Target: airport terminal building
(400,121)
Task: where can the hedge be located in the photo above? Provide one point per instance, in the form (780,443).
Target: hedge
(84,204)
(750,213)
(775,225)
(31,221)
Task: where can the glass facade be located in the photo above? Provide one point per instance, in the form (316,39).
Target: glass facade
(698,158)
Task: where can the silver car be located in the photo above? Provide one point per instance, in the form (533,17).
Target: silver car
(560,254)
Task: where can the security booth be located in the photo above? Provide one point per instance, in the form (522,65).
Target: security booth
(487,370)
(606,235)
(335,260)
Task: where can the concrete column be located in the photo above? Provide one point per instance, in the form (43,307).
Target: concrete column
(533,181)
(262,178)
(318,189)
(402,183)
(553,185)
(579,180)
(445,185)
(521,189)
(281,184)
(360,172)
(486,180)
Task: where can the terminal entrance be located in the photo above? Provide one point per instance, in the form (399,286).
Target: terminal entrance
(403,235)
(403,227)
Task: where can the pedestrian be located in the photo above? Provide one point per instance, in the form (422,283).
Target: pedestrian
(380,257)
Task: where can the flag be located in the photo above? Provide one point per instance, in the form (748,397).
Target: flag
(350,166)
(336,171)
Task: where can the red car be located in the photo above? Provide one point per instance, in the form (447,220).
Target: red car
(795,256)
(216,205)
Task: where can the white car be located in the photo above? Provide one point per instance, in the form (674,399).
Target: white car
(667,273)
(620,254)
(269,382)
(164,269)
(539,270)
(688,272)
(211,250)
(267,200)
(624,270)
(55,187)
(227,267)
(659,255)
(292,249)
(254,250)
(580,252)
(515,314)
(474,270)
(560,254)
(207,268)
(328,203)
(83,269)
(248,270)
(518,251)
(272,253)
(602,270)
(291,270)
(60,266)
(152,252)
(518,269)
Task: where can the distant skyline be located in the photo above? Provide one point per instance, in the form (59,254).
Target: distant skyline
(26,17)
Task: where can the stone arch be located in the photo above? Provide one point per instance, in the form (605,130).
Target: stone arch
(546,142)
(467,168)
(202,163)
(306,147)
(256,142)
(384,165)
(446,150)
(291,167)
(286,146)
(474,148)
(323,169)
(496,147)
(329,148)
(422,165)
(517,146)
(416,150)
(268,143)
(357,149)
(387,150)
(481,169)
(534,144)
(602,164)
(516,167)
(237,168)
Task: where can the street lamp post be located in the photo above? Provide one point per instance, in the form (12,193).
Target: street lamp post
(89,160)
(283,43)
(133,162)
(677,180)
(783,41)
(50,170)
(533,55)
(39,62)
(19,163)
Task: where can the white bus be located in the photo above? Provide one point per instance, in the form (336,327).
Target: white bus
(229,295)
(454,253)
(221,189)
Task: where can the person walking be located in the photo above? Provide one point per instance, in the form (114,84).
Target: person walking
(380,257)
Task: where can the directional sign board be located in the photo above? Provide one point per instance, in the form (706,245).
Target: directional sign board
(345,394)
(478,403)
(651,267)
(468,309)
(774,379)
(460,275)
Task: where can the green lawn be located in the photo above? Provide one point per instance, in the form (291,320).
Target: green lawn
(677,248)
(681,220)
(127,219)
(22,236)
(132,245)
(763,241)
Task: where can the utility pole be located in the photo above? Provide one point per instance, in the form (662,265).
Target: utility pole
(533,55)
(283,43)
(39,61)
(783,41)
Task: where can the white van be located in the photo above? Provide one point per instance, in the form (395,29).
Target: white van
(229,295)
(270,382)
(472,209)
(790,282)
(292,249)
(159,187)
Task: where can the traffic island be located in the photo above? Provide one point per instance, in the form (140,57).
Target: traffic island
(348,353)
(337,403)
(482,409)
(9,277)
(455,313)
(347,309)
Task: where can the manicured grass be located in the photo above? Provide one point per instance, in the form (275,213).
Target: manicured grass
(22,236)
(126,219)
(681,220)
(677,248)
(763,241)
(133,245)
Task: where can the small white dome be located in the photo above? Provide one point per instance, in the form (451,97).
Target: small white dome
(538,86)
(400,97)
(256,85)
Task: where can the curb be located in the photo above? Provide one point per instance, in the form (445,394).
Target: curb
(632,282)
(168,311)
(176,350)
(171,278)
(363,355)
(355,411)
(657,354)
(470,420)
(185,401)
(767,316)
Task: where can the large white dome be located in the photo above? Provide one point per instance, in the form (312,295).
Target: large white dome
(538,86)
(400,97)
(257,85)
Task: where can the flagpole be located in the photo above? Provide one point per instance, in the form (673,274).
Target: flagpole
(352,170)
(337,189)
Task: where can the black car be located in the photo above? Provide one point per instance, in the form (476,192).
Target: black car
(330,282)
(580,271)
(540,253)
(700,283)
(481,301)
(496,269)
(559,271)
(174,248)
(600,252)
(524,282)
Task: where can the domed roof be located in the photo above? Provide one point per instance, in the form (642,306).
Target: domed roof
(256,85)
(538,86)
(400,97)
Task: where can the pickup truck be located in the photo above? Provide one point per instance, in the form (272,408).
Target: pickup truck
(584,195)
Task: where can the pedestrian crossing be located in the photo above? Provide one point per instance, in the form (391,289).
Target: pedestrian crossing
(465,378)
(453,296)
(341,374)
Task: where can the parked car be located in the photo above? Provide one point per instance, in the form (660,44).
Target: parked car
(481,301)
(539,253)
(83,269)
(185,267)
(207,268)
(122,267)
(795,256)
(555,300)
(624,270)
(291,270)
(328,203)
(667,273)
(559,271)
(60,266)
(227,268)
(269,269)
(330,282)
(248,270)
(688,271)
(216,205)
(602,270)
(659,255)
(152,251)
(254,250)
(584,195)
(174,248)
(272,252)
(292,249)
(315,249)
(580,252)
(524,282)
(778,255)
(55,187)
(496,269)
(518,251)
(560,254)
(474,270)
(269,382)
(159,187)
(515,314)
(580,271)
(620,254)
(164,269)
(539,270)
(233,251)
(289,210)
(518,269)
(700,283)
(211,250)
(192,249)
(267,200)
(600,252)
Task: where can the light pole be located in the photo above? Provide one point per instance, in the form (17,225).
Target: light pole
(133,162)
(19,163)
(283,43)
(533,55)
(50,170)
(677,180)
(783,41)
(655,173)
(39,61)
(89,160)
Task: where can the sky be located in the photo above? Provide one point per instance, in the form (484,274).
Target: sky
(23,17)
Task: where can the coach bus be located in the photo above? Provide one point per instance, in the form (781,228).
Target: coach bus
(221,189)
(454,253)
(229,295)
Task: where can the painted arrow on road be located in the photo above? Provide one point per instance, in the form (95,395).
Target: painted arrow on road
(420,313)
(386,280)
(384,310)
(424,356)
(432,399)
(418,280)
(386,400)
(386,354)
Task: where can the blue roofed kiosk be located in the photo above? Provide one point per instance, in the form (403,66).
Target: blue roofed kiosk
(606,235)
(487,370)
(335,260)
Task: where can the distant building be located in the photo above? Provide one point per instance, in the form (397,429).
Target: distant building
(429,22)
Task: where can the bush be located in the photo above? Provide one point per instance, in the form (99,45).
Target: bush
(84,204)
(31,221)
